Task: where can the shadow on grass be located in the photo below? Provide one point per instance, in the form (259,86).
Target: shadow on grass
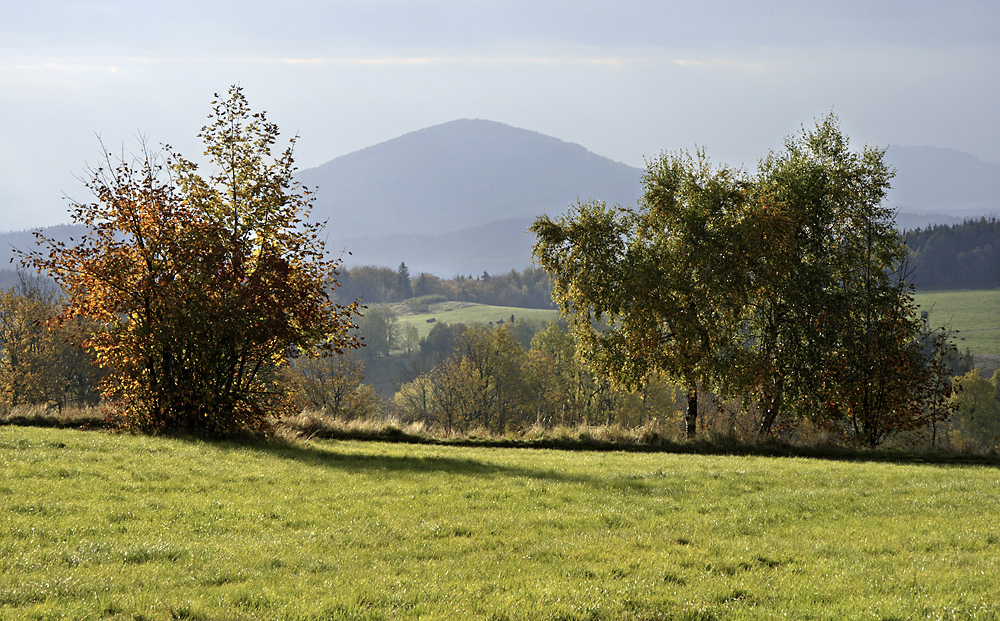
(329,457)
(303,451)
(661,445)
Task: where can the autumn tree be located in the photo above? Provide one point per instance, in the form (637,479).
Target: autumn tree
(201,286)
(40,358)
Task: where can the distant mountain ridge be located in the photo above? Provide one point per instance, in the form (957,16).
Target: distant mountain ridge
(461,174)
(933,179)
(457,198)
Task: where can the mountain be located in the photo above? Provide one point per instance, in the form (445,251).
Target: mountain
(462,174)
(458,198)
(941,186)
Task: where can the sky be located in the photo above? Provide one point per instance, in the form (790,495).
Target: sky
(627,79)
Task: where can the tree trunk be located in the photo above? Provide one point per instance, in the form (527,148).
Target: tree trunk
(772,405)
(691,420)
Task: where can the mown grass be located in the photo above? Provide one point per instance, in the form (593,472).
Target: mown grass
(974,314)
(96,525)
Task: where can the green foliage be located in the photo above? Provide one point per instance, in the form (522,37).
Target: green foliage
(977,410)
(784,289)
(840,329)
(102,526)
(200,286)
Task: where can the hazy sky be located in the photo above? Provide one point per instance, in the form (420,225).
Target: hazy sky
(626,79)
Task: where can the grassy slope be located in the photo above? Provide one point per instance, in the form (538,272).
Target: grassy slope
(463,312)
(975,314)
(95,525)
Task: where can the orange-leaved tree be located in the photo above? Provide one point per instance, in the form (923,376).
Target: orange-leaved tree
(201,286)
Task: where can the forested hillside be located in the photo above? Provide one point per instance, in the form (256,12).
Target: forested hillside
(959,256)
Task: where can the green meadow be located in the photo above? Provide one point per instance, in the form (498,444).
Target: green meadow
(466,312)
(975,315)
(102,526)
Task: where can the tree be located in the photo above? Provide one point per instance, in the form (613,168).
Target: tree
(977,409)
(200,286)
(784,288)
(481,382)
(655,288)
(825,250)
(495,360)
(334,384)
(40,359)
(403,281)
(379,330)
(553,373)
(833,325)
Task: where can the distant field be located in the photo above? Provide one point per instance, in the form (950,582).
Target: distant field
(974,314)
(98,526)
(464,312)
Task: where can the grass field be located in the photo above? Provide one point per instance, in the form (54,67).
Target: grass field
(102,526)
(465,312)
(975,314)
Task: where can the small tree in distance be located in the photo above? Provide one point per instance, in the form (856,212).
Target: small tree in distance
(201,286)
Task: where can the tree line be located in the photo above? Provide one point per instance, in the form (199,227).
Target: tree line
(531,377)
(957,256)
(529,288)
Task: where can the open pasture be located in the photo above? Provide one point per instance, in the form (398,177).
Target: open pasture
(974,314)
(95,525)
(466,312)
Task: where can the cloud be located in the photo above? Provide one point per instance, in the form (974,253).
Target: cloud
(118,63)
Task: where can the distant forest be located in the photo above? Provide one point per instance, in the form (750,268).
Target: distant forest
(957,256)
(530,288)
(954,256)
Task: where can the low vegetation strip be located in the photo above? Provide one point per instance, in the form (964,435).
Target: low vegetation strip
(96,525)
